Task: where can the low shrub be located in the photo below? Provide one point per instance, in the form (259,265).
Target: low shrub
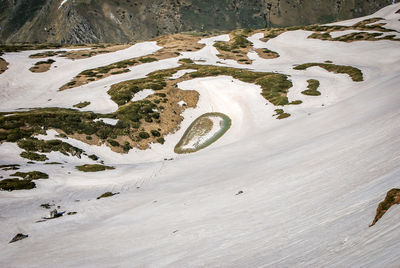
(32,175)
(144,135)
(34,156)
(93,168)
(82,104)
(355,74)
(16,184)
(106,194)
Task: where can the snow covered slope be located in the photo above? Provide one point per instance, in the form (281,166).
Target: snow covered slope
(310,183)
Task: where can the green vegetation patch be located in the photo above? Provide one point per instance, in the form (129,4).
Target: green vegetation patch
(47,54)
(187,61)
(32,175)
(93,168)
(49,61)
(34,156)
(16,184)
(239,40)
(22,125)
(35,145)
(106,194)
(10,167)
(355,74)
(274,86)
(280,114)
(82,104)
(312,90)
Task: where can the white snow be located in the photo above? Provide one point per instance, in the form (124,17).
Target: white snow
(181,103)
(141,95)
(62,3)
(181,73)
(311,183)
(109,121)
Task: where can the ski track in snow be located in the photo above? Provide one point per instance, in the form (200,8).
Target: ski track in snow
(311,183)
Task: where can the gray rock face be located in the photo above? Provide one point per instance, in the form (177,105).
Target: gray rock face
(94,21)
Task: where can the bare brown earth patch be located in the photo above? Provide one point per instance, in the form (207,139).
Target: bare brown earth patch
(392,198)
(3,65)
(266,53)
(42,66)
(172,46)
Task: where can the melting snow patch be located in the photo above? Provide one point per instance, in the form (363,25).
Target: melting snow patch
(181,103)
(142,94)
(62,3)
(109,121)
(181,73)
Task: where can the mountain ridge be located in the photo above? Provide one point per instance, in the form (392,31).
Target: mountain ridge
(95,21)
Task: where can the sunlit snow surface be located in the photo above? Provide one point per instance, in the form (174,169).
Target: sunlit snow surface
(62,3)
(311,183)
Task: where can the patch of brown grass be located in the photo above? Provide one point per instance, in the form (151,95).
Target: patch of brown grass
(42,66)
(392,198)
(266,53)
(3,65)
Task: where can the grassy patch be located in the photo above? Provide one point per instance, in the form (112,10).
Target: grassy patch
(82,104)
(35,145)
(47,54)
(106,194)
(93,168)
(296,102)
(16,184)
(9,167)
(312,90)
(187,61)
(238,40)
(392,198)
(236,48)
(32,175)
(49,61)
(280,114)
(34,156)
(355,74)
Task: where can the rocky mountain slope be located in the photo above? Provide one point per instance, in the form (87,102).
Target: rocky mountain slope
(94,21)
